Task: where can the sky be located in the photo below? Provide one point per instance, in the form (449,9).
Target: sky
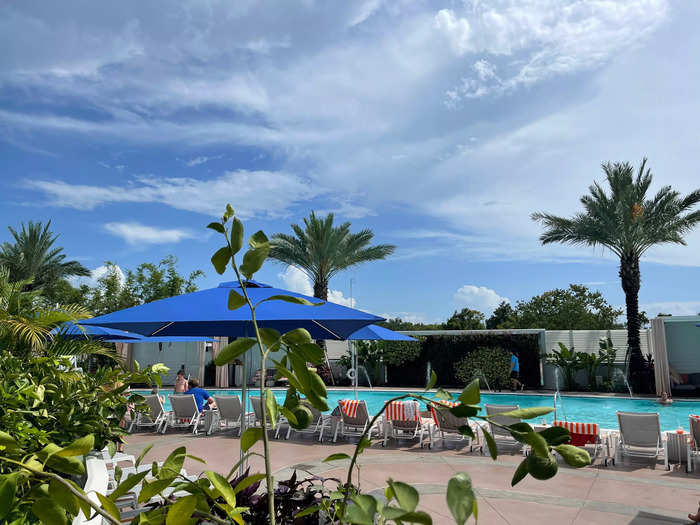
(441,126)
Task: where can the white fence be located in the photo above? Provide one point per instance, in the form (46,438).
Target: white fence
(587,341)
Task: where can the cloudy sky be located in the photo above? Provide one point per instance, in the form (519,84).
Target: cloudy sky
(440,125)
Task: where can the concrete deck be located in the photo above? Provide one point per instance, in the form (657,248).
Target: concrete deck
(638,492)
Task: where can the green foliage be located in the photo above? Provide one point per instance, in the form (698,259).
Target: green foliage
(493,363)
(607,355)
(501,315)
(575,308)
(320,249)
(569,362)
(465,319)
(590,363)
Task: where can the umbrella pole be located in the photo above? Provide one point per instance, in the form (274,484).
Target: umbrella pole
(244,420)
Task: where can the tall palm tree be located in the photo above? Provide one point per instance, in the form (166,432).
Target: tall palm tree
(627,223)
(34,257)
(321,250)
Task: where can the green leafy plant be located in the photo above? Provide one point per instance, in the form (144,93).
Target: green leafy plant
(607,355)
(590,363)
(569,362)
(490,363)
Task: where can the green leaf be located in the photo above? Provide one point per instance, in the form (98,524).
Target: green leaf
(285,372)
(460,497)
(271,405)
(464,411)
(229,212)
(466,430)
(433,380)
(406,496)
(307,511)
(195,458)
(7,441)
(258,240)
(79,447)
(289,415)
(318,403)
(298,336)
(255,257)
(181,511)
(317,384)
(8,488)
(173,464)
(129,483)
(555,435)
(527,413)
(491,443)
(143,454)
(235,300)
(220,484)
(417,516)
(337,457)
(148,490)
(49,512)
(108,506)
(65,465)
(236,235)
(538,444)
(443,395)
(111,448)
(269,336)
(363,444)
(292,299)
(247,482)
(311,352)
(250,436)
(519,474)
(217,226)
(220,259)
(233,350)
(363,510)
(471,394)
(574,456)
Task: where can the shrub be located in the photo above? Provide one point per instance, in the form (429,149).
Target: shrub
(493,363)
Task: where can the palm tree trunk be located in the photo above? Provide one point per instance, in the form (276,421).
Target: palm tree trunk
(630,277)
(321,292)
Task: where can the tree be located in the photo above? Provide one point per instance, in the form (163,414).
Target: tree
(321,250)
(465,319)
(628,223)
(397,324)
(34,258)
(574,308)
(500,315)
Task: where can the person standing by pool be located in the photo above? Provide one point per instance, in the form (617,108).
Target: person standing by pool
(515,372)
(201,396)
(180,382)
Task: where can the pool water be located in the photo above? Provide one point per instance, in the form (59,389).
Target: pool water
(601,410)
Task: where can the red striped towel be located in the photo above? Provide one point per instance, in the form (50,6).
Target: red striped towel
(403,411)
(349,407)
(581,433)
(443,403)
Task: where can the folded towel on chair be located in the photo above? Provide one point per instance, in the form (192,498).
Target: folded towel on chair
(349,407)
(403,411)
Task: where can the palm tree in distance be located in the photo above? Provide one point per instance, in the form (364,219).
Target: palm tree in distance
(34,258)
(321,250)
(628,223)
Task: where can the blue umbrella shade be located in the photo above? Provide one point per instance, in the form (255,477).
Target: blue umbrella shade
(100,333)
(205,313)
(378,333)
(164,339)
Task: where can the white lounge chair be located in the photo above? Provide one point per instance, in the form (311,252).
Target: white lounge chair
(403,421)
(185,413)
(447,425)
(257,412)
(119,457)
(640,436)
(500,435)
(155,417)
(319,421)
(229,414)
(694,441)
(353,419)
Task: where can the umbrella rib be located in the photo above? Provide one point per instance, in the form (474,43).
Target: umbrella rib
(327,330)
(162,328)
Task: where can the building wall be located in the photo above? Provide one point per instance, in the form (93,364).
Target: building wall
(683,346)
(172,355)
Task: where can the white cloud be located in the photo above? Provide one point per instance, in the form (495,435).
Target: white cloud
(95,274)
(671,307)
(337,297)
(457,30)
(256,192)
(296,280)
(139,234)
(478,298)
(196,161)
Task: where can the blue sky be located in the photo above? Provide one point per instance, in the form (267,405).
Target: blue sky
(439,125)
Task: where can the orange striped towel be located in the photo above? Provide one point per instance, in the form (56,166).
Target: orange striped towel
(443,403)
(581,433)
(349,407)
(403,411)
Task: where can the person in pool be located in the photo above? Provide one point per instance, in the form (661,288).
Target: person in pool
(180,382)
(515,372)
(665,399)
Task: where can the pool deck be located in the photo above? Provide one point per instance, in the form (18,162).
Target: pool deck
(639,492)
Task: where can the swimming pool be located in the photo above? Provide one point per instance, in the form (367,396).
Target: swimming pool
(601,410)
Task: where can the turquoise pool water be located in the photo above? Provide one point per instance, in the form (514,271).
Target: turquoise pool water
(599,410)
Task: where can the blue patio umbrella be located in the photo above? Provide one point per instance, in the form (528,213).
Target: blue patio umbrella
(371,333)
(99,333)
(205,313)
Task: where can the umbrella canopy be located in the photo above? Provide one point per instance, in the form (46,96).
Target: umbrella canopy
(99,333)
(378,333)
(205,313)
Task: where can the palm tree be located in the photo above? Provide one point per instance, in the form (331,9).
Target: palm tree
(321,250)
(33,257)
(627,223)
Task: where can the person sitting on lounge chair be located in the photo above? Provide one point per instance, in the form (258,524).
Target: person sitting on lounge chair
(201,396)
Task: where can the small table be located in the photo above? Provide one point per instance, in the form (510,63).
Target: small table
(676,447)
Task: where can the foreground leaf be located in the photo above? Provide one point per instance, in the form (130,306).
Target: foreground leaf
(363,510)
(471,395)
(235,300)
(406,496)
(527,413)
(220,259)
(574,456)
(222,486)
(8,488)
(431,383)
(555,435)
(233,350)
(250,436)
(271,406)
(79,447)
(181,511)
(491,443)
(236,235)
(519,474)
(337,457)
(460,497)
(49,512)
